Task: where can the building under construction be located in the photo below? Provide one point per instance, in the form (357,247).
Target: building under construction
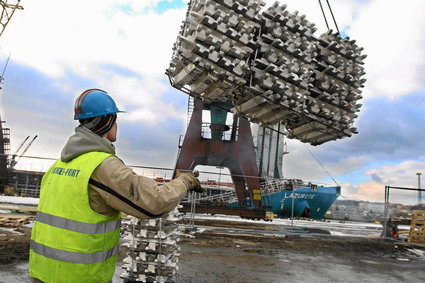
(24,183)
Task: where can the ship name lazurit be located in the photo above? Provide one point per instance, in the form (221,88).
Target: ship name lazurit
(300,196)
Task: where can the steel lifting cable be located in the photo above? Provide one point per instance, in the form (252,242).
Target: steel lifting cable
(324,16)
(330,9)
(320,163)
(332,14)
(5,66)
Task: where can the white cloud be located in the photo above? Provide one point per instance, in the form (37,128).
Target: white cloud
(301,163)
(370,191)
(56,39)
(392,34)
(139,97)
(51,136)
(342,10)
(82,37)
(402,174)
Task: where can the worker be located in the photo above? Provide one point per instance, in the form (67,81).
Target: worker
(76,232)
(394,231)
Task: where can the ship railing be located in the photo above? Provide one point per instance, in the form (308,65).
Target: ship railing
(274,185)
(228,196)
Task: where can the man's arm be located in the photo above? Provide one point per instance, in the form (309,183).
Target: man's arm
(114,186)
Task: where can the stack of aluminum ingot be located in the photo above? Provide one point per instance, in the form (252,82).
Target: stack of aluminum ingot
(153,249)
(270,67)
(282,69)
(214,46)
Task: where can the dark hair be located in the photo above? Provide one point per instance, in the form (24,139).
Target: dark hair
(101,124)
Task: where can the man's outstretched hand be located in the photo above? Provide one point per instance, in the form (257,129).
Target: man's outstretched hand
(191,179)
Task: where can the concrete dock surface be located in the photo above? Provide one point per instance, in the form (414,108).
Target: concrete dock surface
(229,249)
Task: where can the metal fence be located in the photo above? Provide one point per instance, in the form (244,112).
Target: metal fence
(246,196)
(399,205)
(25,179)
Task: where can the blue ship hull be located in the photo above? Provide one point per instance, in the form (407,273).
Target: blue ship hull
(308,202)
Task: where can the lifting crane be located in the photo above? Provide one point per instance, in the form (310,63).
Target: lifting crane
(14,161)
(264,67)
(9,8)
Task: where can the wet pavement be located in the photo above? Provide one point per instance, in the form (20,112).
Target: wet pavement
(228,249)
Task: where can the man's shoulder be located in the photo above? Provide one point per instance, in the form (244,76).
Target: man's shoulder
(109,165)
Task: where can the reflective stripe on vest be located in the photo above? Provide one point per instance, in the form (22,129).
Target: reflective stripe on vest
(77,226)
(73,257)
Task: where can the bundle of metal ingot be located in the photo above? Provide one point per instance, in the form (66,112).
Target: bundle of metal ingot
(270,67)
(211,53)
(307,85)
(282,70)
(335,92)
(153,249)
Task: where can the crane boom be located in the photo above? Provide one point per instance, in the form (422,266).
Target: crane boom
(15,160)
(28,146)
(21,145)
(8,9)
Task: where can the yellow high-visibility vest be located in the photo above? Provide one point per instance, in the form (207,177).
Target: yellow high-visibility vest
(70,242)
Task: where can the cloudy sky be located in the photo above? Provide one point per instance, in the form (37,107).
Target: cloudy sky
(57,51)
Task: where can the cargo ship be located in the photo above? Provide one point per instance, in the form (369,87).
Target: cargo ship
(288,197)
(279,198)
(307,200)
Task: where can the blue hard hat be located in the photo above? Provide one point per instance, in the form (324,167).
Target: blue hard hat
(93,103)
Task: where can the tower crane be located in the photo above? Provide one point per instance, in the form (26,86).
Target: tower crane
(14,161)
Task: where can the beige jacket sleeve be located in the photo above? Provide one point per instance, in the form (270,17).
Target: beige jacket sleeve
(123,190)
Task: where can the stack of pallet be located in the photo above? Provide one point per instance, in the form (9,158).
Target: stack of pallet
(270,67)
(153,249)
(18,215)
(10,220)
(417,227)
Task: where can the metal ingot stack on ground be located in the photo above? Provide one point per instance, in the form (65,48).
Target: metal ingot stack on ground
(153,249)
(270,67)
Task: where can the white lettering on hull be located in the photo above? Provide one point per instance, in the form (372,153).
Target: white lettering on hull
(299,196)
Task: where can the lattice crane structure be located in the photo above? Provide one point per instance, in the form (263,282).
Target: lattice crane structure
(8,9)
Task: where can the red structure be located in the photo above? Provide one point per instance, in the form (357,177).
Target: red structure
(235,153)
